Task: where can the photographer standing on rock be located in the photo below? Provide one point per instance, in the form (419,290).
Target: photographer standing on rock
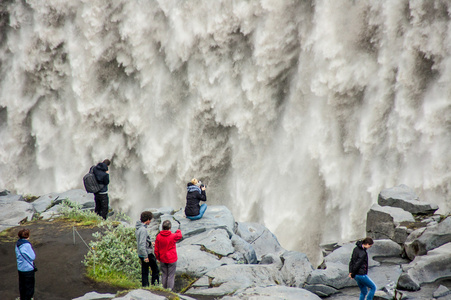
(101,197)
(195,194)
(145,250)
(25,265)
(358,268)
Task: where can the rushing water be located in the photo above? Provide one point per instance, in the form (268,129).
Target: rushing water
(295,113)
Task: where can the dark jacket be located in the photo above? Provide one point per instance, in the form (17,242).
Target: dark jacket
(359,261)
(193,197)
(102,176)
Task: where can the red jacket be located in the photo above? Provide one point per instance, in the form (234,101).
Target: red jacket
(165,249)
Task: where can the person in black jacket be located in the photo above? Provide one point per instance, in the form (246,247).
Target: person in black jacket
(101,197)
(358,268)
(195,194)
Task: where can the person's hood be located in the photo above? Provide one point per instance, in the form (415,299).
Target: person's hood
(189,184)
(165,232)
(102,166)
(20,242)
(140,224)
(359,244)
(193,188)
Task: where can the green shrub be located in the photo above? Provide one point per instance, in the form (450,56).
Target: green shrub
(113,257)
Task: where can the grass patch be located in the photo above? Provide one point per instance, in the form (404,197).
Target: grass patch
(30,198)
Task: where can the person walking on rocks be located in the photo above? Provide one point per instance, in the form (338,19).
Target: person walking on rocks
(25,265)
(145,250)
(195,194)
(166,253)
(358,268)
(101,197)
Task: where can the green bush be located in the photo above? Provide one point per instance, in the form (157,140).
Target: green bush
(113,257)
(72,210)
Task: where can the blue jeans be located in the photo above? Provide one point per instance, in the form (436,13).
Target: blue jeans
(365,283)
(202,210)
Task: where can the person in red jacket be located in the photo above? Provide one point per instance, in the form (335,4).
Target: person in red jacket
(166,253)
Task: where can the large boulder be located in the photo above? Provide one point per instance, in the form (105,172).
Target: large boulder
(226,280)
(263,240)
(384,222)
(244,252)
(215,241)
(95,296)
(274,292)
(194,262)
(427,268)
(404,197)
(215,217)
(422,240)
(14,210)
(141,295)
(296,268)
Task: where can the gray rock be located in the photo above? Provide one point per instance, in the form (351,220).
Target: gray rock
(441,291)
(213,240)
(321,289)
(422,240)
(383,222)
(272,259)
(95,295)
(10,198)
(215,217)
(244,252)
(335,276)
(141,295)
(13,212)
(195,263)
(263,240)
(86,200)
(427,268)
(296,268)
(226,280)
(404,197)
(274,292)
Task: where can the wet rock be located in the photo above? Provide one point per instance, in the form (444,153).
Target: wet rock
(427,268)
(422,240)
(296,268)
(384,222)
(405,198)
(226,280)
(275,292)
(263,240)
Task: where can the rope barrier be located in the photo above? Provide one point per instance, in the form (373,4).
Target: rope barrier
(74,230)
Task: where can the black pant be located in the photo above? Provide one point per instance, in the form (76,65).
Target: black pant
(145,270)
(101,201)
(26,285)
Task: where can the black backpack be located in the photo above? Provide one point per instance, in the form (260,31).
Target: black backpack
(90,182)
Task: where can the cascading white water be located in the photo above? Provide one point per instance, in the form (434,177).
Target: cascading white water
(296,113)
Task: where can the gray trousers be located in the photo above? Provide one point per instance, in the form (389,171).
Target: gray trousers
(168,274)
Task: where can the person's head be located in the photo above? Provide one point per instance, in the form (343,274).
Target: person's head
(146,216)
(24,233)
(367,242)
(194,181)
(107,162)
(167,225)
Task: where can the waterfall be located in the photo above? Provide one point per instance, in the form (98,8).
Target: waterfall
(295,113)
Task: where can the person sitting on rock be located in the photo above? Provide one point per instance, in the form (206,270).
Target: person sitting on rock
(195,194)
(358,268)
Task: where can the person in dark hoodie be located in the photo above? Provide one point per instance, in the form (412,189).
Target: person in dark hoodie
(145,250)
(101,197)
(25,265)
(358,268)
(195,194)
(166,253)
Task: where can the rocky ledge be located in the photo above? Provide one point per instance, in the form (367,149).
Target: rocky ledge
(222,258)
